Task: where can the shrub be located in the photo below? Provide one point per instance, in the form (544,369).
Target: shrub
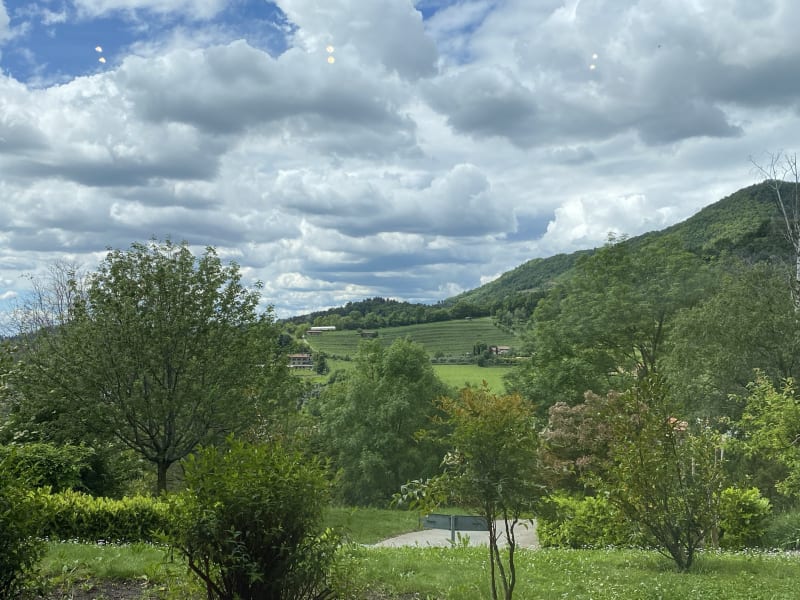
(743,518)
(782,531)
(590,522)
(100,470)
(42,464)
(248,523)
(72,515)
(20,545)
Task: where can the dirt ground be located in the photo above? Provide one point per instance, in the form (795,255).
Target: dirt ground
(105,590)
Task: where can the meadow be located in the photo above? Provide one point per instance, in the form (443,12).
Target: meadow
(456,573)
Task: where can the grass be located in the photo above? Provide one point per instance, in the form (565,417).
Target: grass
(459,376)
(457,573)
(461,573)
(68,566)
(370,525)
(452,338)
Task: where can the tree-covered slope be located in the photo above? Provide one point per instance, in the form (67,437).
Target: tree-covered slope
(744,224)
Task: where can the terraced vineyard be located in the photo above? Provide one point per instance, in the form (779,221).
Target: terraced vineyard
(452,338)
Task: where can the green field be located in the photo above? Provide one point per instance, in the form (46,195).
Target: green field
(452,338)
(459,376)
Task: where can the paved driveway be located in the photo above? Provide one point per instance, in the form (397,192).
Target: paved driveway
(525,534)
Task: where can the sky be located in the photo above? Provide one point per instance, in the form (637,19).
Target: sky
(408,149)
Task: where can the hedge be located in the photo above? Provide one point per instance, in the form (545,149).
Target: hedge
(71,515)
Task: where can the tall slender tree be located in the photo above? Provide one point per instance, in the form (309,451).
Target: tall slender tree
(782,176)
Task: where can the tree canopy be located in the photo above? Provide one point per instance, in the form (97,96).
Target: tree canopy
(164,350)
(368,421)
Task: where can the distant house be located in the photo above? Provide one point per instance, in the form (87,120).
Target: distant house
(301,361)
(320,329)
(498,350)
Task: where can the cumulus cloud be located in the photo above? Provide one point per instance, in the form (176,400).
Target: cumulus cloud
(587,222)
(389,33)
(434,154)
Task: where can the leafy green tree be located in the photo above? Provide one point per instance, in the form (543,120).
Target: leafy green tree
(493,468)
(606,326)
(369,420)
(748,323)
(164,350)
(662,472)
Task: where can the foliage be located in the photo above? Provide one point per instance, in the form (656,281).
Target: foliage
(47,465)
(782,530)
(368,421)
(743,516)
(163,349)
(576,440)
(748,323)
(584,522)
(492,469)
(771,427)
(607,324)
(374,313)
(71,515)
(248,523)
(20,545)
(662,473)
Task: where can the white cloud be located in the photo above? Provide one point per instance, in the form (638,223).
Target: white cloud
(388,33)
(587,221)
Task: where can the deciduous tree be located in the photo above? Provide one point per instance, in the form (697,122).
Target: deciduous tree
(493,468)
(606,326)
(164,350)
(369,420)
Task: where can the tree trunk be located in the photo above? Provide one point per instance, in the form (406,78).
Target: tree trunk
(161,482)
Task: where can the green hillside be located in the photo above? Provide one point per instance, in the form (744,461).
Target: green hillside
(745,224)
(535,275)
(452,338)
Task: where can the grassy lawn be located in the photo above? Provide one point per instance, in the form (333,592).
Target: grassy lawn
(456,376)
(462,573)
(370,525)
(459,573)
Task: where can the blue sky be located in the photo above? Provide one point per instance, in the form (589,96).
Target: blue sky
(353,148)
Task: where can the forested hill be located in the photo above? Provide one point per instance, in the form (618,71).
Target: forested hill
(745,225)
